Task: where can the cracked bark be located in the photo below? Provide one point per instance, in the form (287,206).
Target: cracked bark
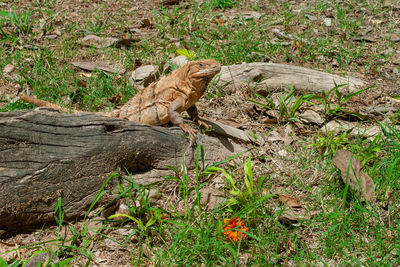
(45,155)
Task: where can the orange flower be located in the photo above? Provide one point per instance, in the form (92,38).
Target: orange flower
(238,233)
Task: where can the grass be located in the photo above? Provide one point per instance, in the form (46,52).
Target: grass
(342,231)
(355,233)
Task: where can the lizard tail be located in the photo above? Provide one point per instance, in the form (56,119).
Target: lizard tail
(42,103)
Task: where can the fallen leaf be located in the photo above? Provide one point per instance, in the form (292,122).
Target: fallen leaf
(8,69)
(170,2)
(366,132)
(101,65)
(146,23)
(115,99)
(311,116)
(350,168)
(365,38)
(338,126)
(251,15)
(98,42)
(393,37)
(230,122)
(289,200)
(85,74)
(220,20)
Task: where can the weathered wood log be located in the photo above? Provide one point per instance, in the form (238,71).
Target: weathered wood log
(45,155)
(277,76)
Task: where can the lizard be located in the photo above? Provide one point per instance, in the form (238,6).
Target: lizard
(163,101)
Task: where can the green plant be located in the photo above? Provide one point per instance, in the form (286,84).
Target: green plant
(330,143)
(288,105)
(366,150)
(250,191)
(223,4)
(21,21)
(337,109)
(184,52)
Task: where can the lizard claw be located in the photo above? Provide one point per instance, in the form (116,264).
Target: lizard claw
(204,124)
(189,130)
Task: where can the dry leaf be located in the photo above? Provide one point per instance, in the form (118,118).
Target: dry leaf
(357,179)
(289,200)
(146,23)
(101,65)
(115,99)
(98,42)
(293,212)
(311,116)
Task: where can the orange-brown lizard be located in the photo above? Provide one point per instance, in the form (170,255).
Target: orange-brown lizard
(162,101)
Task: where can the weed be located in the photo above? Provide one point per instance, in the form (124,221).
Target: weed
(223,4)
(22,21)
(288,105)
(330,143)
(250,192)
(337,109)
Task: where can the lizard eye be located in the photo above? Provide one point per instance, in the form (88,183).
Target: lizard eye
(200,65)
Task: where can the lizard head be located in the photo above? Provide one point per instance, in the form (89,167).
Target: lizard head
(201,72)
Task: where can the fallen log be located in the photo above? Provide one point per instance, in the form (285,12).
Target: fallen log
(277,76)
(45,155)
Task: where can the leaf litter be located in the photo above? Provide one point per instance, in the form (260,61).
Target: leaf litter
(352,174)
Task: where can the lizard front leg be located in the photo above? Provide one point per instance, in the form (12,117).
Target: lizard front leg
(194,114)
(177,120)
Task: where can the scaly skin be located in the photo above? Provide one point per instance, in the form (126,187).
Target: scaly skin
(163,101)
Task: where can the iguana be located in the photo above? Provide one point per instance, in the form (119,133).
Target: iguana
(162,101)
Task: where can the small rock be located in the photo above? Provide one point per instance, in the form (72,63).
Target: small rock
(377,21)
(51,36)
(311,17)
(283,153)
(180,61)
(8,69)
(311,116)
(338,126)
(143,76)
(328,22)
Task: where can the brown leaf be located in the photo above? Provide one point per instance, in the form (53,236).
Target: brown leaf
(115,99)
(357,179)
(98,42)
(101,65)
(146,23)
(289,200)
(170,2)
(103,42)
